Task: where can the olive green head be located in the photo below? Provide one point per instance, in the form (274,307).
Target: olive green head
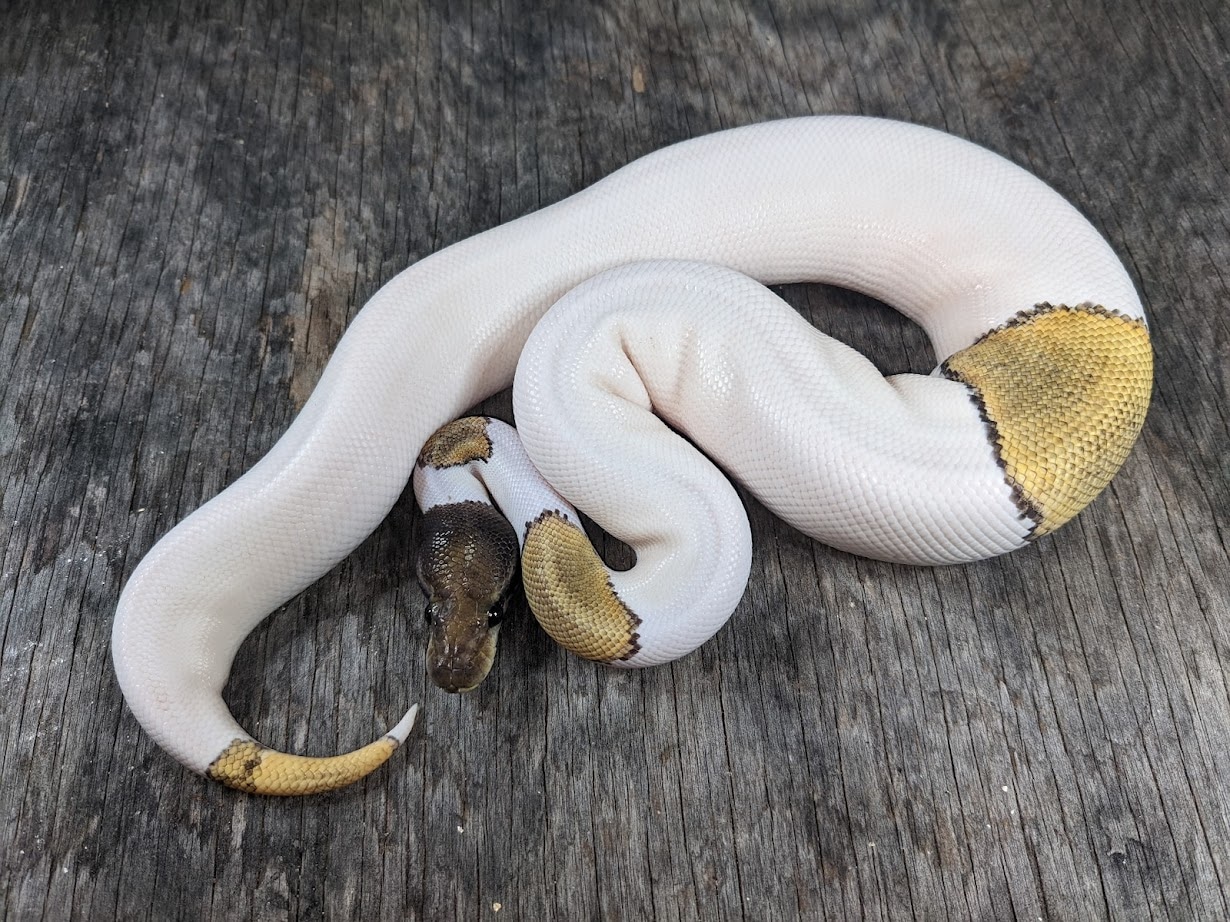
(466,559)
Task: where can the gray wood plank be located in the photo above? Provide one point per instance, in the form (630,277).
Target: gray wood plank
(194,202)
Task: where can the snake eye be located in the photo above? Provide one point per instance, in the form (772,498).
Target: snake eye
(427,615)
(495,614)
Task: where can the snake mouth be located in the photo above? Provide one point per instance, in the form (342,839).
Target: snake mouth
(461,646)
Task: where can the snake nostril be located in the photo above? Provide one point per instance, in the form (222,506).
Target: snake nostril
(446,678)
(454,670)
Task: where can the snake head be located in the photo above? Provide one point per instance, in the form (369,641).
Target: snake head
(466,560)
(461,643)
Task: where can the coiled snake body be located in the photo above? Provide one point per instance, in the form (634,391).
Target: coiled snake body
(1042,388)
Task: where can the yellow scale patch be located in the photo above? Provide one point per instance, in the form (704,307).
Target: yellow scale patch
(1064,391)
(459,442)
(248,766)
(567,587)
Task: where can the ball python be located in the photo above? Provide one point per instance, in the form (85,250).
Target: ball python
(1043,381)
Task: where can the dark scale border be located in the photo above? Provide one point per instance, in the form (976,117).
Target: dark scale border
(1028,509)
(484,455)
(634,620)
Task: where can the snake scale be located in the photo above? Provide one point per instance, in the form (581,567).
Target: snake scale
(659,342)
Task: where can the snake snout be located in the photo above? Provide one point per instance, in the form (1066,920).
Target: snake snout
(461,646)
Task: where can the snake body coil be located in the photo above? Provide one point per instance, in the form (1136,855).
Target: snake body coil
(1042,388)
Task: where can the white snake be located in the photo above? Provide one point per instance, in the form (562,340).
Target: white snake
(970,462)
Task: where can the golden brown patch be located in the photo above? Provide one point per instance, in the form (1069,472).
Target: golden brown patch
(247,766)
(459,442)
(569,592)
(1064,391)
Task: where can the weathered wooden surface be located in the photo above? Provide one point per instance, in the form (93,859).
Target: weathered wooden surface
(195,200)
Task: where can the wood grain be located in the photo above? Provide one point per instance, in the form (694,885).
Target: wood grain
(195,199)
